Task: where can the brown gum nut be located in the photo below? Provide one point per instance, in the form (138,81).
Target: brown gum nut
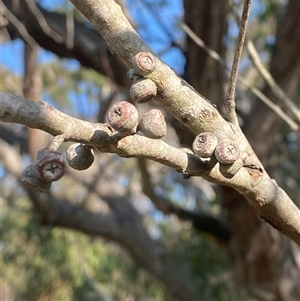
(142,90)
(227,151)
(205,144)
(50,165)
(144,63)
(153,124)
(123,117)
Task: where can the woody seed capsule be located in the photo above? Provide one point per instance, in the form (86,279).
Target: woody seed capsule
(142,90)
(50,165)
(144,63)
(30,179)
(153,124)
(80,156)
(123,117)
(205,144)
(227,151)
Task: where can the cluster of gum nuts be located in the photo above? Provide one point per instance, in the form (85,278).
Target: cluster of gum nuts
(123,117)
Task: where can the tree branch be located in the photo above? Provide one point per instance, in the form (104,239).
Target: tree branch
(125,229)
(89,48)
(43,22)
(230,99)
(261,192)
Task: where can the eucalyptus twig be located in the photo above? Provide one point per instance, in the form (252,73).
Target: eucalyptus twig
(56,142)
(230,102)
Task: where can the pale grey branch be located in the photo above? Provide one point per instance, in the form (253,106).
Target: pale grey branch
(261,192)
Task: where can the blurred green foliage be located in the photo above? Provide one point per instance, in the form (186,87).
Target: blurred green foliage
(44,263)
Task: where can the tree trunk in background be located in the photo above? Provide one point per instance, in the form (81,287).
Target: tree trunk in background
(32,89)
(285,69)
(263,260)
(208,19)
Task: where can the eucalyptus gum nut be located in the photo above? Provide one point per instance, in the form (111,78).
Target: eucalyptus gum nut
(227,151)
(123,117)
(142,90)
(30,179)
(153,124)
(205,144)
(50,165)
(80,156)
(144,63)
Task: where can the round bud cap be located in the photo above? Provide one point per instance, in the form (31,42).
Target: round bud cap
(80,156)
(144,63)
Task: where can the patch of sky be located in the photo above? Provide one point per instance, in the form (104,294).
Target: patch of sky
(82,106)
(258,8)
(52,4)
(124,181)
(2,171)
(12,56)
(71,64)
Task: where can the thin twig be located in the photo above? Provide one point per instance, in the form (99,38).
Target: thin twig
(294,126)
(254,90)
(269,79)
(212,53)
(43,23)
(70,27)
(230,101)
(19,26)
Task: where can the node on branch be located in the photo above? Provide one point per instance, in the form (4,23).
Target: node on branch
(229,170)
